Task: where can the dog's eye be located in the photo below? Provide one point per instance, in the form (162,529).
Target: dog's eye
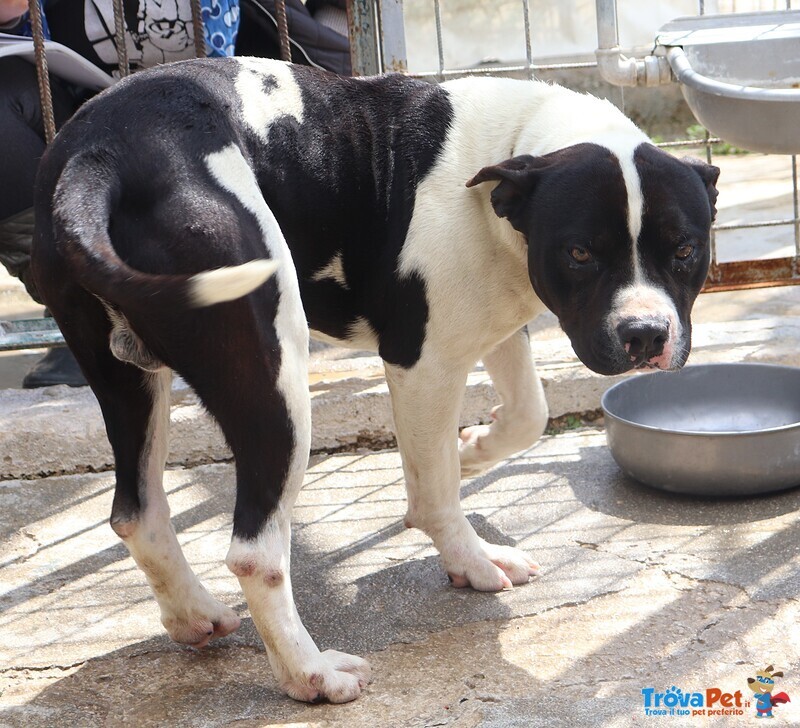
(579,254)
(684,251)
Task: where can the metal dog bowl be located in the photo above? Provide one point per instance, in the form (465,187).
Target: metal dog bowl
(713,429)
(740,75)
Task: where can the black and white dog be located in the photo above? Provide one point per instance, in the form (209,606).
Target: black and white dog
(360,205)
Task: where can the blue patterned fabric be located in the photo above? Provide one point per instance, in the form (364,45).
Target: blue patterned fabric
(221,21)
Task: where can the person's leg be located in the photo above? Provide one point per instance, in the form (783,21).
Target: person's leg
(22,132)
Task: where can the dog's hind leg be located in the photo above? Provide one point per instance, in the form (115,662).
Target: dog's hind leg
(521,418)
(261,402)
(254,379)
(135,406)
(426,400)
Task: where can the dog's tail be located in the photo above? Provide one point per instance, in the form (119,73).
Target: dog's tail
(82,206)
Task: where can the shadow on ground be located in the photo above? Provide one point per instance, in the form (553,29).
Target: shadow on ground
(638,588)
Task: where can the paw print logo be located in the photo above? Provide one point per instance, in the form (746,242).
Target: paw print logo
(672,697)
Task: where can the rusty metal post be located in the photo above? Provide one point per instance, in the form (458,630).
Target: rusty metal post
(377,36)
(283,30)
(363,23)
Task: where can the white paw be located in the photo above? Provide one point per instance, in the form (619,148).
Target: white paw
(489,567)
(482,446)
(334,676)
(475,456)
(199,622)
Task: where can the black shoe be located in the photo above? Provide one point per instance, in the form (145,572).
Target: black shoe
(57,366)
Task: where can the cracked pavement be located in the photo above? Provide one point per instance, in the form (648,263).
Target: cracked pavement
(638,589)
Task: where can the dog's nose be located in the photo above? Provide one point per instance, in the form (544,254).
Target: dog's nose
(643,340)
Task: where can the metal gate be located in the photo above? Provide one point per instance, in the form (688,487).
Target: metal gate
(378,45)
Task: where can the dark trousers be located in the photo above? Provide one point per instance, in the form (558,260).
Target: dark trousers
(21,146)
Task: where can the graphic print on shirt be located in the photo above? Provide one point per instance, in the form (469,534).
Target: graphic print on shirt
(162,32)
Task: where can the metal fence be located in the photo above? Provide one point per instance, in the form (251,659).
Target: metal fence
(378,45)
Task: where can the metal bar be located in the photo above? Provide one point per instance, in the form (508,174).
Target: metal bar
(748,225)
(364,51)
(494,70)
(29,334)
(690,143)
(795,207)
(712,237)
(607,24)
(741,274)
(526,12)
(393,37)
(437,10)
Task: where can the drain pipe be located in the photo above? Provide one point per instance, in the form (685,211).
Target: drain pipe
(618,69)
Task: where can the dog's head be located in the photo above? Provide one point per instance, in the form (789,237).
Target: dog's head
(764,681)
(618,246)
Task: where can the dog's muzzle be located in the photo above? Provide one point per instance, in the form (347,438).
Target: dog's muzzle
(646,342)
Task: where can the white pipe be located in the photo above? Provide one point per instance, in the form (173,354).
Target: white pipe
(616,68)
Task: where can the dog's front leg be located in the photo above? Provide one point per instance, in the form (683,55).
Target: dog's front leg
(521,418)
(426,400)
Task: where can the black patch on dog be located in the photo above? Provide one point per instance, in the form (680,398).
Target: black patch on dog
(675,215)
(344,182)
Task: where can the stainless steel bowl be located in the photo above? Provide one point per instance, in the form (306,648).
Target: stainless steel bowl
(712,429)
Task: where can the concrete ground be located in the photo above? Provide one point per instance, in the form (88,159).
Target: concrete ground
(638,589)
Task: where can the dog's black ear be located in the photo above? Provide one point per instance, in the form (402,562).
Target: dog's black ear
(709,174)
(518,177)
(777,674)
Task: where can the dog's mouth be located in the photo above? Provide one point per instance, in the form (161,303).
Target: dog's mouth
(606,355)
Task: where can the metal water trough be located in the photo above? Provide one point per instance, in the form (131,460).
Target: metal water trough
(740,75)
(739,72)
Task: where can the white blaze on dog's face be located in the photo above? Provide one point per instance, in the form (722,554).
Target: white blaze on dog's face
(618,246)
